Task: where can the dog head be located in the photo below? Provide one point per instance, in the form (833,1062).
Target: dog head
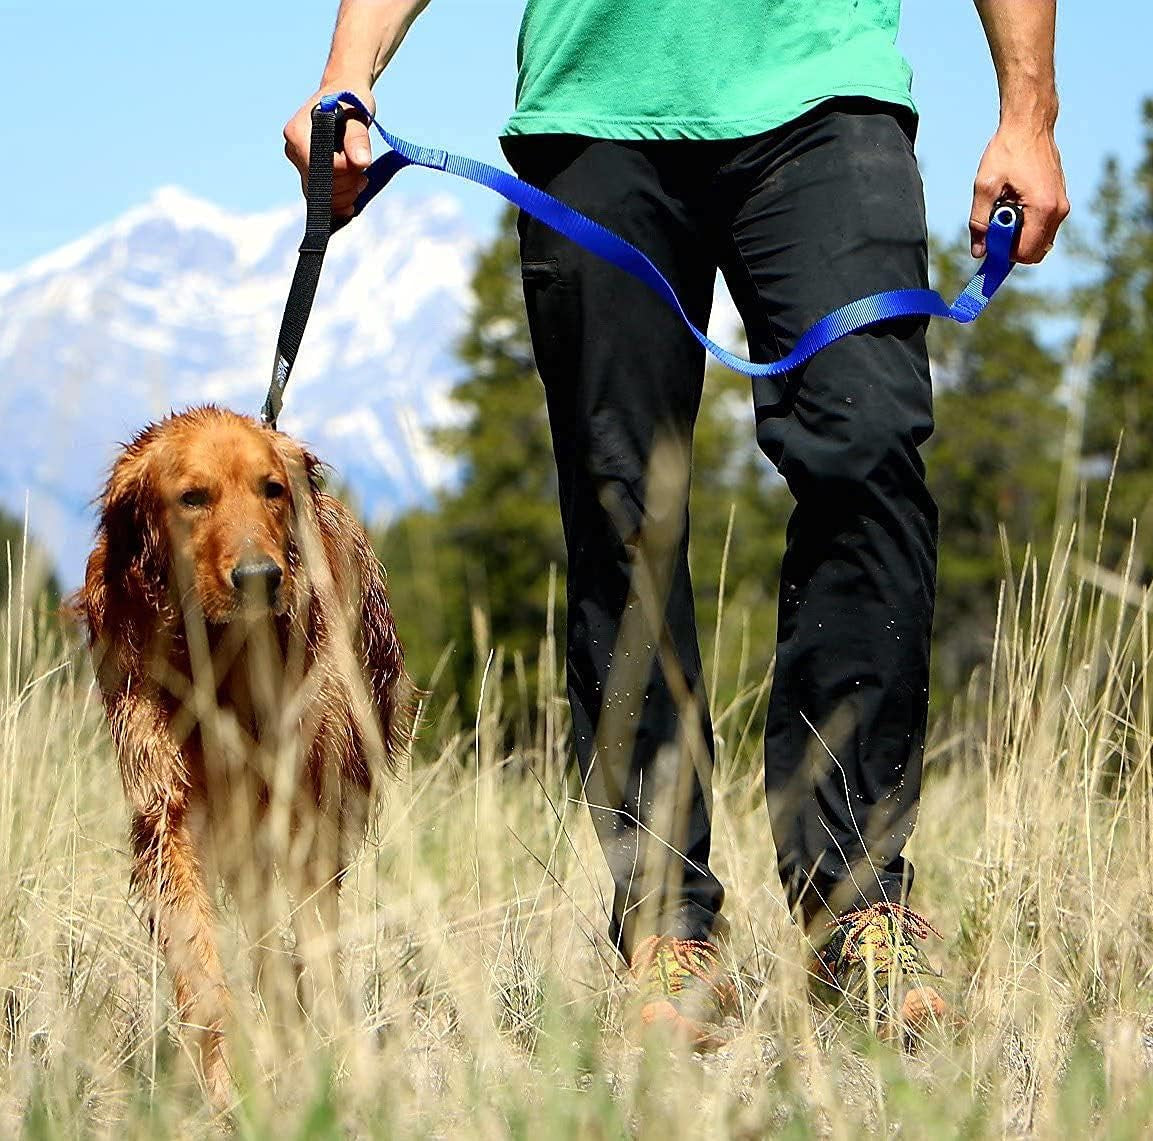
(202,506)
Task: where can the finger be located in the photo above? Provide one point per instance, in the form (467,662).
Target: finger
(1037,232)
(1048,238)
(344,199)
(343,165)
(348,185)
(986,190)
(296,154)
(357,143)
(301,167)
(1058,215)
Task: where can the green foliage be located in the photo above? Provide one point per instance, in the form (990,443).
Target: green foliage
(474,572)
(23,570)
(481,898)
(993,461)
(1121,400)
(478,568)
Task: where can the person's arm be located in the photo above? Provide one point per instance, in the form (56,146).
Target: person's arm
(367,34)
(1022,162)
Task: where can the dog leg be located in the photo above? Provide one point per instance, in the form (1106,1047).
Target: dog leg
(168,870)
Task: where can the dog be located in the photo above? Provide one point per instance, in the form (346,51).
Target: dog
(254,684)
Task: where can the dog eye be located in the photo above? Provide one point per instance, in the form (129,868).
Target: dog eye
(195,497)
(273,490)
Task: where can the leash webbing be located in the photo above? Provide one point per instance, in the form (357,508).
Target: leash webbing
(327,130)
(318,228)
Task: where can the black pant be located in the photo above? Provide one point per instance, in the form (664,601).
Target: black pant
(799,220)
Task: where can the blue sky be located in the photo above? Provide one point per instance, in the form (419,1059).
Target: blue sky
(109,101)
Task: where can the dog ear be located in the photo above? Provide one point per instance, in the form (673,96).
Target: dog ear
(361,583)
(304,468)
(383,654)
(314,469)
(85,608)
(134,531)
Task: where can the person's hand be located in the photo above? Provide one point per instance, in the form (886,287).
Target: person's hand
(1024,166)
(348,168)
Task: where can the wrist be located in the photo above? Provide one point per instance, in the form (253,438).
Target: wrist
(341,80)
(1030,107)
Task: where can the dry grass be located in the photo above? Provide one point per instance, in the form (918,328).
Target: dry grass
(488,1003)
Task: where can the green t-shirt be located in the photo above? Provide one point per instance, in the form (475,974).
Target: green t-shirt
(699,69)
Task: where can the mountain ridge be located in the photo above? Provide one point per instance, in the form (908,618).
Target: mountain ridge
(178,301)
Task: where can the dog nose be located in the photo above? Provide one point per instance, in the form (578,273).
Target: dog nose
(260,577)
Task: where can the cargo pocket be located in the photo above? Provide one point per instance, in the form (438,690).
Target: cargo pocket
(553,308)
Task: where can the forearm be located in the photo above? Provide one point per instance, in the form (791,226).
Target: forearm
(1021,35)
(1022,162)
(367,34)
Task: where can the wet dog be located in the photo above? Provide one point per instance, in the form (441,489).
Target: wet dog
(254,685)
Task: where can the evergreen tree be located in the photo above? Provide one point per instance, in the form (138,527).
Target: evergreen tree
(1120,404)
(993,461)
(38,584)
(474,572)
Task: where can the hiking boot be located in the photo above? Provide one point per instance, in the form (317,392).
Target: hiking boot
(873,963)
(683,987)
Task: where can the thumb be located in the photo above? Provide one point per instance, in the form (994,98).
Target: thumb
(357,144)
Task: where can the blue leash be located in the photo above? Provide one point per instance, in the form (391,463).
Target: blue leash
(328,120)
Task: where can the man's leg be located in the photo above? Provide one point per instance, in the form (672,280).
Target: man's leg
(825,211)
(623,381)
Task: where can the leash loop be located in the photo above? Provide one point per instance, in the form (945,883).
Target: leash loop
(328,118)
(318,228)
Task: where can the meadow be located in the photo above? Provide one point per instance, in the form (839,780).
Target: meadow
(487,1000)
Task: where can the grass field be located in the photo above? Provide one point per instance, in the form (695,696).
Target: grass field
(489,1004)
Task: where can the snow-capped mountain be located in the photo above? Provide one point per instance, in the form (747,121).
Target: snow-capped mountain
(179,302)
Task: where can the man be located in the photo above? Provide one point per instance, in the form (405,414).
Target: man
(772,139)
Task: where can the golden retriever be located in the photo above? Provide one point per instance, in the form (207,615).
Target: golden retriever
(254,685)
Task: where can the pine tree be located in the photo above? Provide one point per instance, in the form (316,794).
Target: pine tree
(475,571)
(1121,399)
(28,571)
(993,461)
